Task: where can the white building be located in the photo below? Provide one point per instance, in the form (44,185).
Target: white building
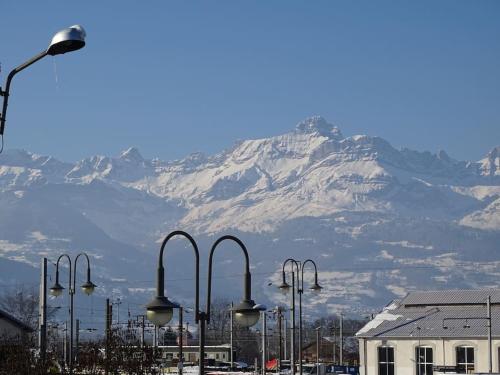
(217,353)
(427,331)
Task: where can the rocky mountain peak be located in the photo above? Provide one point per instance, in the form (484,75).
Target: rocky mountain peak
(490,165)
(132,154)
(317,124)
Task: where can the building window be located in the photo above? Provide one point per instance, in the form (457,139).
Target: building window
(423,360)
(385,360)
(217,356)
(465,359)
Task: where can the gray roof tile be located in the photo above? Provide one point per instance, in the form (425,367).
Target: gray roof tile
(426,315)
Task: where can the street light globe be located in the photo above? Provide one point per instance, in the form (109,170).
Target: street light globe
(247,318)
(88,287)
(247,313)
(67,40)
(284,288)
(160,310)
(160,317)
(56,290)
(316,288)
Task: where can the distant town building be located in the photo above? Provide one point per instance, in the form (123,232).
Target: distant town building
(213,353)
(325,351)
(428,332)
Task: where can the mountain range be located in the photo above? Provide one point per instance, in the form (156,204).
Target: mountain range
(378,221)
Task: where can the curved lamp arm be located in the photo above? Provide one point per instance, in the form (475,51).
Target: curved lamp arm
(315,272)
(57,269)
(160,285)
(74,268)
(11,75)
(297,267)
(247,283)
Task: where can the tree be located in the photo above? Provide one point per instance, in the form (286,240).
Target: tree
(23,304)
(219,328)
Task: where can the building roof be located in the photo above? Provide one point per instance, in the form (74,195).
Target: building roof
(14,321)
(451,297)
(437,314)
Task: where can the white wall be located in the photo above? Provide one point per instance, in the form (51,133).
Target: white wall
(404,354)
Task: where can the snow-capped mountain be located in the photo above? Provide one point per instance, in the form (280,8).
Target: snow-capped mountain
(378,220)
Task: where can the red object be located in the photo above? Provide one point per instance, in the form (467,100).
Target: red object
(272,364)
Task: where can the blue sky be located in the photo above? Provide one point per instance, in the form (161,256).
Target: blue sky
(175,77)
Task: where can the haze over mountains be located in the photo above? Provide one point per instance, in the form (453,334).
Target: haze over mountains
(379,221)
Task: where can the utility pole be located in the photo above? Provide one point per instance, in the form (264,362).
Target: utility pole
(341,354)
(65,343)
(264,341)
(109,318)
(142,332)
(292,342)
(118,303)
(231,322)
(285,354)
(180,364)
(42,321)
(334,343)
(77,339)
(280,343)
(317,349)
(488,308)
(137,317)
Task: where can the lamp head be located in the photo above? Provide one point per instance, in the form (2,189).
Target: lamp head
(67,40)
(284,287)
(316,288)
(160,310)
(88,287)
(56,290)
(247,313)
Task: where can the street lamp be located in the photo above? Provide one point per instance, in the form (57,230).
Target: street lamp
(160,309)
(318,346)
(285,288)
(66,40)
(57,290)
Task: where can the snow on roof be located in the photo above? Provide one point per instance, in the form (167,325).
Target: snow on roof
(437,314)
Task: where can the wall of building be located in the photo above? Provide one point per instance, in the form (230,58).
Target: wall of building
(444,353)
(191,354)
(8,329)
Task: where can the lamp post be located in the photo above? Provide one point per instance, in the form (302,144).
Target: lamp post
(318,343)
(285,287)
(278,313)
(66,40)
(264,342)
(160,309)
(56,290)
